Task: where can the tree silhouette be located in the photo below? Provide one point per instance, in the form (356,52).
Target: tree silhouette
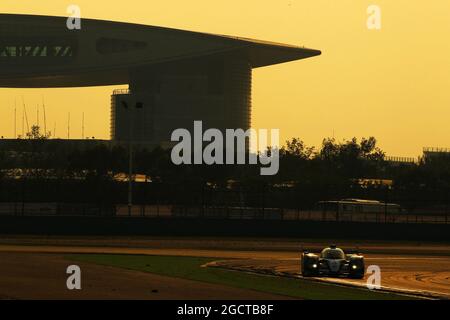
(35,134)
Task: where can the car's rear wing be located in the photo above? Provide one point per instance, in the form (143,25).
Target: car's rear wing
(354,251)
(305,250)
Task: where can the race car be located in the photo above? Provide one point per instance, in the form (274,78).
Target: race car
(332,262)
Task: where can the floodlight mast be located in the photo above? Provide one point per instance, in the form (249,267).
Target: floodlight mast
(138,105)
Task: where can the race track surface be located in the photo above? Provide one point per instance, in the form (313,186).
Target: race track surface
(423,276)
(410,267)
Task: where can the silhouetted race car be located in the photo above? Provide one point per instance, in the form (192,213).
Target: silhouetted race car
(332,262)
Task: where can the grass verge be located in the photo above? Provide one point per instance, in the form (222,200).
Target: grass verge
(190,268)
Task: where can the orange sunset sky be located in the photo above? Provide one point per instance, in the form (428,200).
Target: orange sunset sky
(392,83)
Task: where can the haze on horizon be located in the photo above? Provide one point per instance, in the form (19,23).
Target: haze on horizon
(393,84)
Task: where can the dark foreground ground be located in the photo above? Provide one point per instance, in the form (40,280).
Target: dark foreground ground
(42,276)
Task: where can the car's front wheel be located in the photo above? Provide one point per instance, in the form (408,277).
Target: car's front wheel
(357,276)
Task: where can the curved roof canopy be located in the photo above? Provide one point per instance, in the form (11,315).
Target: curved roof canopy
(40,51)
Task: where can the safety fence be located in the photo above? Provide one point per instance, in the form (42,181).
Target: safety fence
(423,215)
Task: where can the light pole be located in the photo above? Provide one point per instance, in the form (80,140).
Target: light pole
(138,105)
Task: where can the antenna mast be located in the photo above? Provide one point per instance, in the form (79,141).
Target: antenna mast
(68,127)
(26,116)
(82,127)
(15,119)
(45,117)
(23,123)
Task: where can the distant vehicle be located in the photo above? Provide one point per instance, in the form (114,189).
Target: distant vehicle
(359,206)
(332,262)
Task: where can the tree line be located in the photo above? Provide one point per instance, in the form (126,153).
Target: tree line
(46,170)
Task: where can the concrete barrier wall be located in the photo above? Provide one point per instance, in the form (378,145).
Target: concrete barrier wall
(114,226)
